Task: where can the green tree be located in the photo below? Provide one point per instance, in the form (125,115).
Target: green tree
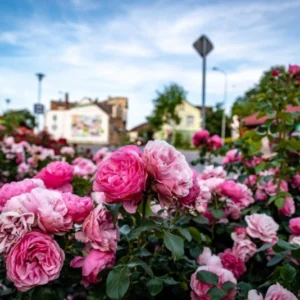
(214,121)
(13,119)
(244,105)
(165,106)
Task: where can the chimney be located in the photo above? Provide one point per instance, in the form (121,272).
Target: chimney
(67,104)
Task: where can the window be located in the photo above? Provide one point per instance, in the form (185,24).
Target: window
(54,117)
(54,127)
(190,121)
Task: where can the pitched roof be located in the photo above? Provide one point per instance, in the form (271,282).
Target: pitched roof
(253,121)
(139,127)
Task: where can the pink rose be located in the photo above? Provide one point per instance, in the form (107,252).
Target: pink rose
(35,260)
(98,229)
(13,226)
(66,188)
(23,168)
(100,154)
(232,262)
(275,73)
(212,171)
(254,295)
(9,141)
(200,137)
(98,197)
(294,69)
(78,207)
(215,142)
(213,183)
(206,258)
(251,180)
(200,289)
(47,205)
(203,198)
(121,176)
(263,227)
(244,249)
(84,167)
(56,174)
(277,292)
(253,162)
(172,175)
(67,151)
(232,156)
(95,262)
(12,189)
(239,233)
(193,192)
(288,208)
(296,181)
(294,225)
(232,210)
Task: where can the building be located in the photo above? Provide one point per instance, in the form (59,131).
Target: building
(88,121)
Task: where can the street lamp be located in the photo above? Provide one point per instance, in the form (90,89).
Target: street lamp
(40,77)
(225,100)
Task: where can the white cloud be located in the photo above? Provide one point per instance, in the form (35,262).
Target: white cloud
(139,49)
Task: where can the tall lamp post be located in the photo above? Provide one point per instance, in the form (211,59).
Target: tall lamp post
(40,77)
(225,100)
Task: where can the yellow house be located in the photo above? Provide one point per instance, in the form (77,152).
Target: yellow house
(190,122)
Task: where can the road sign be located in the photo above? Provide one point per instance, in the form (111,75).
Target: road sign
(38,108)
(203,45)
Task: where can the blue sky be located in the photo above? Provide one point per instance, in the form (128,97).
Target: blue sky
(98,48)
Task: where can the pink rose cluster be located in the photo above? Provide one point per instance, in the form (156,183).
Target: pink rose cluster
(232,156)
(202,138)
(30,217)
(275,292)
(84,167)
(68,151)
(123,175)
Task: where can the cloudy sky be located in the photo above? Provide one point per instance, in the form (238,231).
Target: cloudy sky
(100,48)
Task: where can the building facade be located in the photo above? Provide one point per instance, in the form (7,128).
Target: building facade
(88,121)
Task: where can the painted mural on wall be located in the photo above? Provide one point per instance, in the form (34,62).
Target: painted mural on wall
(87,126)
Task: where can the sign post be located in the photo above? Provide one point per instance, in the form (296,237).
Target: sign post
(203,46)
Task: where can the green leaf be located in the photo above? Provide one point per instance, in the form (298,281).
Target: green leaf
(195,234)
(155,286)
(288,273)
(264,247)
(279,202)
(147,225)
(170,281)
(217,213)
(216,293)
(208,277)
(185,233)
(125,229)
(296,254)
(276,259)
(143,252)
(117,283)
(200,220)
(244,289)
(287,246)
(228,286)
(175,244)
(46,292)
(114,210)
(138,262)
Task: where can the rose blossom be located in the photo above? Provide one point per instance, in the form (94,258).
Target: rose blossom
(213,183)
(100,154)
(200,137)
(121,176)
(200,289)
(251,180)
(23,168)
(215,142)
(232,156)
(244,249)
(56,174)
(212,171)
(288,208)
(9,141)
(35,260)
(98,229)
(239,233)
(84,167)
(263,227)
(67,151)
(275,72)
(203,198)
(206,258)
(13,226)
(47,205)
(296,181)
(95,262)
(254,295)
(277,292)
(193,193)
(78,207)
(232,262)
(294,225)
(294,69)
(170,170)
(12,189)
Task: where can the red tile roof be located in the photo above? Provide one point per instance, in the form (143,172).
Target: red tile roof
(253,121)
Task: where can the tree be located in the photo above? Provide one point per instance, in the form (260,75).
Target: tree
(244,105)
(214,121)
(165,106)
(13,119)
